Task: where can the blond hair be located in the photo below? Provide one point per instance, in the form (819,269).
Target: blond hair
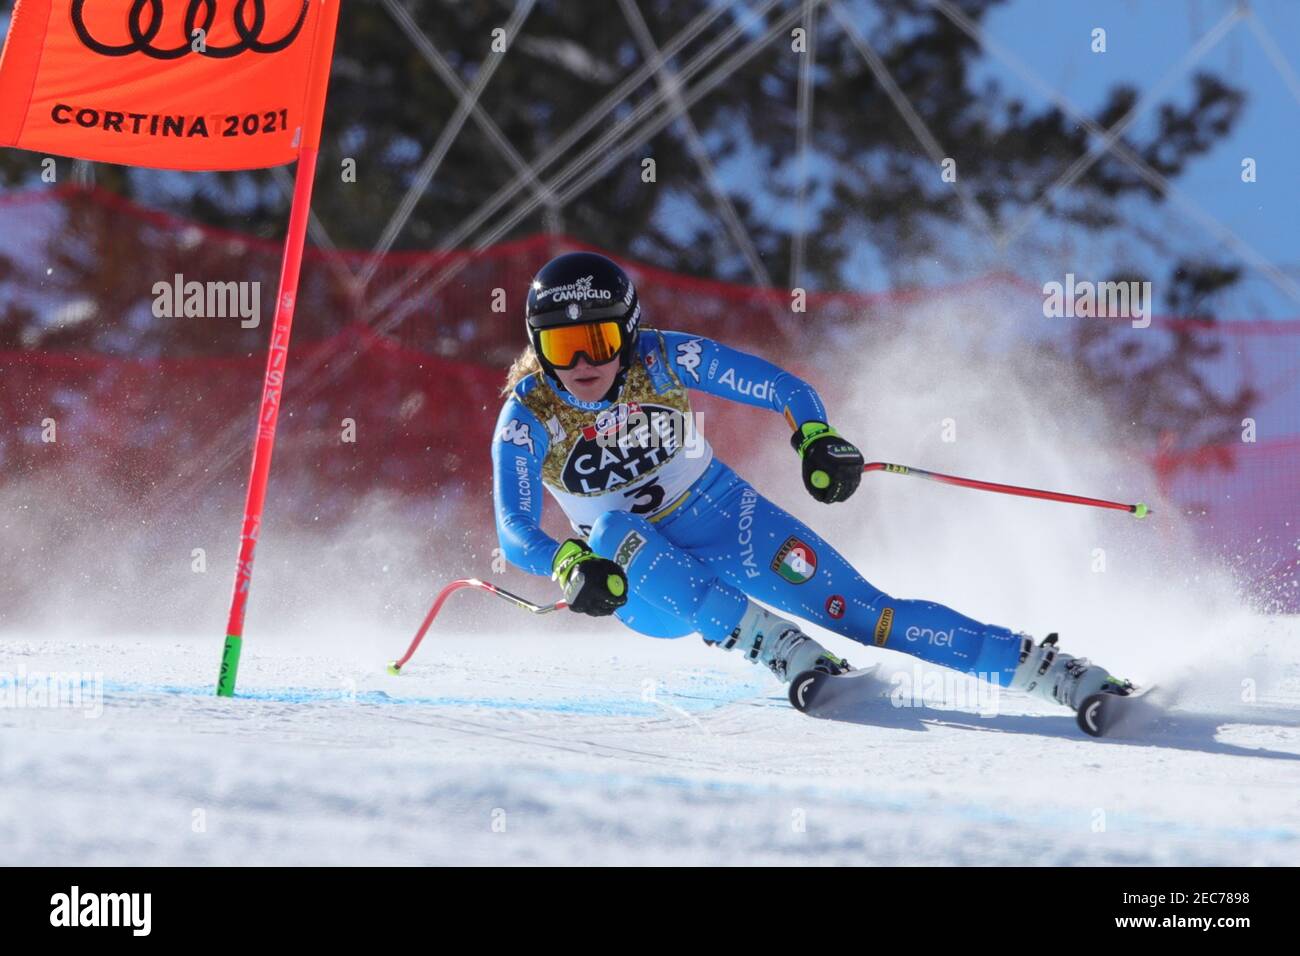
(524,365)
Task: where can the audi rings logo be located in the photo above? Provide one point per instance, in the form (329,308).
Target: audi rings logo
(144,21)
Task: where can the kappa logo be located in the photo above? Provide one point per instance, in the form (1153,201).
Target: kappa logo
(518,433)
(200,15)
(796,561)
(884,626)
(835,606)
(688,358)
(628,548)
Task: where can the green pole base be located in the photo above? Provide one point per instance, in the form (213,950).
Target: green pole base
(229,666)
(1140,510)
(393,668)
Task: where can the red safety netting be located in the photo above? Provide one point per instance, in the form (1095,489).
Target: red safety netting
(162,408)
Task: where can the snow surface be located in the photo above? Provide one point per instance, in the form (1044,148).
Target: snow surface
(605,749)
(565,740)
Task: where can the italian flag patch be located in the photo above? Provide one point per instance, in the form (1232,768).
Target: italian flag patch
(796,561)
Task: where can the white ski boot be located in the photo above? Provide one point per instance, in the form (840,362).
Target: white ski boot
(1049,674)
(767,639)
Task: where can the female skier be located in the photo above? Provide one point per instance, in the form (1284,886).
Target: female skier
(670,539)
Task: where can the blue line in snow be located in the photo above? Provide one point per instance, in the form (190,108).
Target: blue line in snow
(585,706)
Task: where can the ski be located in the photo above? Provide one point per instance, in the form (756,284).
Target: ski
(1104,713)
(817,693)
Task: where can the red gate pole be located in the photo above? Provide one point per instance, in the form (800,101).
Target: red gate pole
(278,357)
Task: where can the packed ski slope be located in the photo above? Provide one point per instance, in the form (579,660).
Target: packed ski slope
(573,741)
(607,749)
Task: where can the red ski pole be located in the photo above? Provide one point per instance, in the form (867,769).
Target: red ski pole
(1138,510)
(395,667)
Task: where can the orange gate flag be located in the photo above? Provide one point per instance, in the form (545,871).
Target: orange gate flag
(191,85)
(167,84)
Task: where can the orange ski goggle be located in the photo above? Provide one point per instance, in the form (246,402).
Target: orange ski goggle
(599,341)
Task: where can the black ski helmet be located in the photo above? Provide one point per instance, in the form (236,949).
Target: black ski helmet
(581,287)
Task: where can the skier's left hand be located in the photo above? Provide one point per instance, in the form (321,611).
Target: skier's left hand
(832,467)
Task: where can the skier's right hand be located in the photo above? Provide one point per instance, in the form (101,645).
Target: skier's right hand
(592,584)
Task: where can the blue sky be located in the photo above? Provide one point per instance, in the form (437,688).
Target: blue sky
(1146,39)
(1149,47)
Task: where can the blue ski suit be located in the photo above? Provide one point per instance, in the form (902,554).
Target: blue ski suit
(638,480)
